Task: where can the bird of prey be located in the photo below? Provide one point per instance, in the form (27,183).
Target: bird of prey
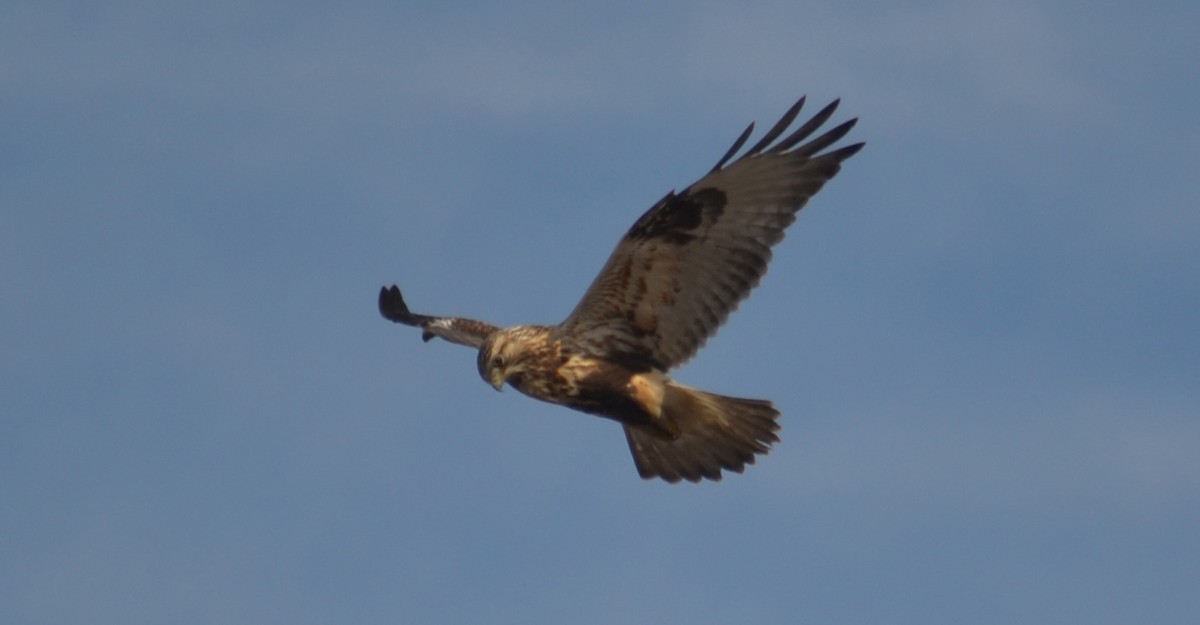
(669,285)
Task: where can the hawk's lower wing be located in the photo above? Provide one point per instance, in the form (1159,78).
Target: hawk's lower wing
(687,263)
(467,332)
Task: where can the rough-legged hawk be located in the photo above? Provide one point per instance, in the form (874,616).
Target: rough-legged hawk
(671,282)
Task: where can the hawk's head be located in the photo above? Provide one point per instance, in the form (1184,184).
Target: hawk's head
(507,354)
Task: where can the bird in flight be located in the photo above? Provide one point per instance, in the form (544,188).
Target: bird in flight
(667,287)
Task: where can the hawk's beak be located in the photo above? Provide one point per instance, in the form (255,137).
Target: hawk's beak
(497,379)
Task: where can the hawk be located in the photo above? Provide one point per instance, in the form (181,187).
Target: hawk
(669,285)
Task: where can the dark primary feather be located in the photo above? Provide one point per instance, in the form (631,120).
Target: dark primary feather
(467,332)
(779,127)
(688,261)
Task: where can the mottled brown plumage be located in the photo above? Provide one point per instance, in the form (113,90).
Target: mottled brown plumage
(667,287)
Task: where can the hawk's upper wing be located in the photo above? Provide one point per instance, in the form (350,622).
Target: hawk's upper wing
(454,329)
(684,266)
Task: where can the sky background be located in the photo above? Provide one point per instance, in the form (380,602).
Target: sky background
(984,335)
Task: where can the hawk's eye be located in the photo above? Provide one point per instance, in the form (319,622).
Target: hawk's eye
(498,362)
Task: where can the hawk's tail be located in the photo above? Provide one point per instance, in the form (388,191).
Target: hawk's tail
(714,432)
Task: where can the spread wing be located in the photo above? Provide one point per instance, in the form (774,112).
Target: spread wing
(687,263)
(454,329)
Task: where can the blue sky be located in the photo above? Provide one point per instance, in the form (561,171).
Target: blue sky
(983,334)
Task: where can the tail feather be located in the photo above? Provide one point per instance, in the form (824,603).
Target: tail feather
(715,432)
